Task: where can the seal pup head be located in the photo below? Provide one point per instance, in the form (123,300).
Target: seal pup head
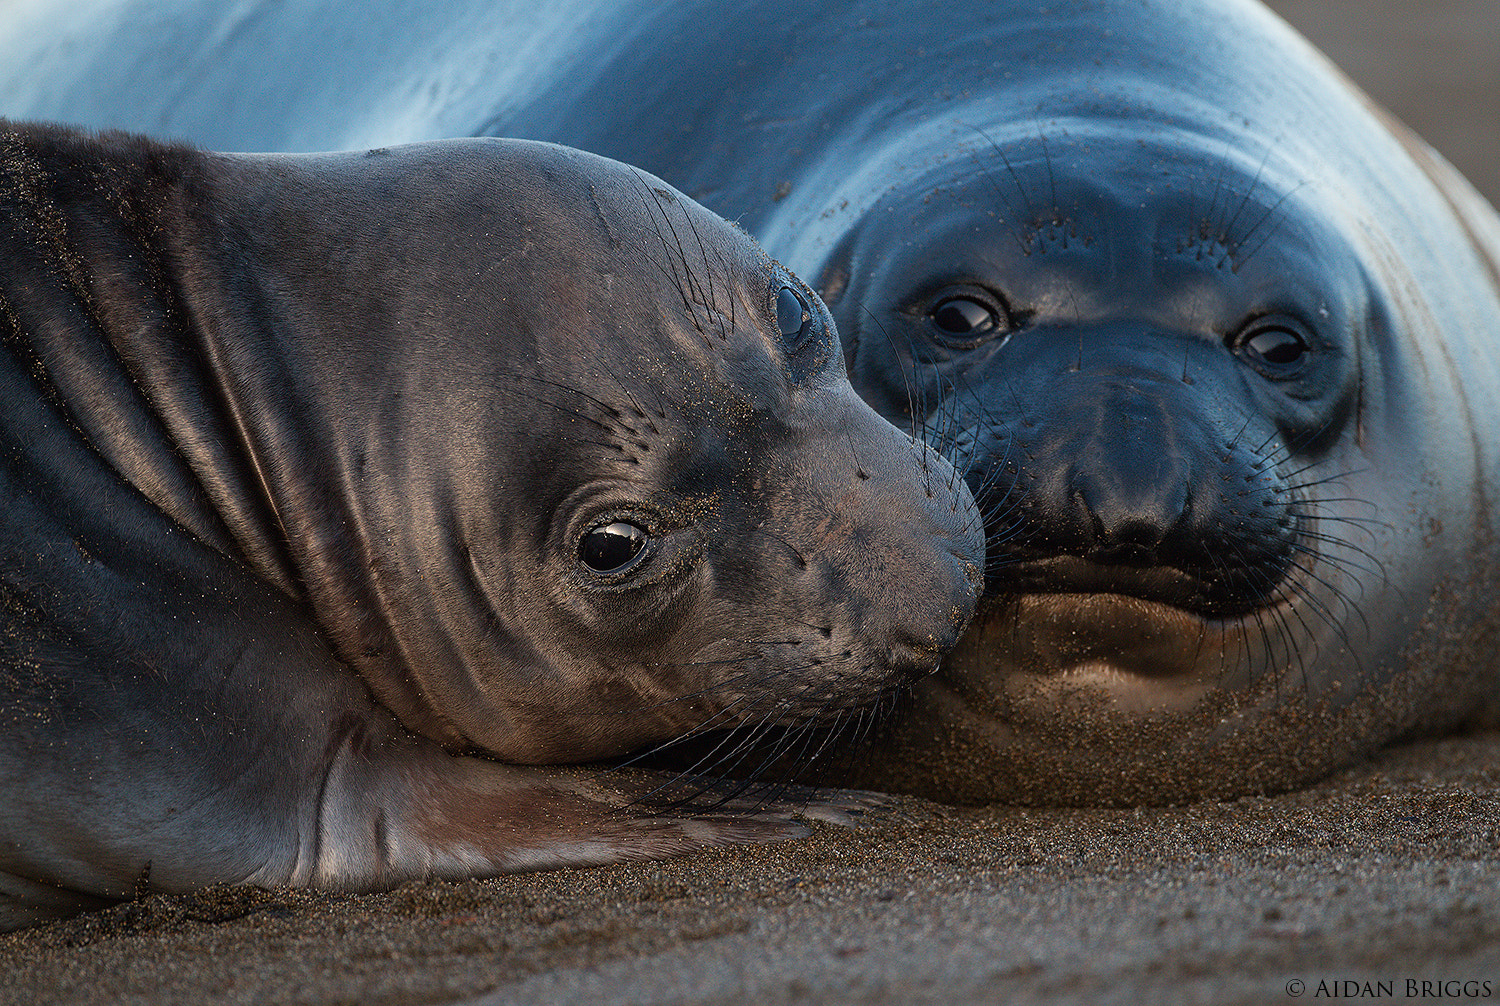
(563,463)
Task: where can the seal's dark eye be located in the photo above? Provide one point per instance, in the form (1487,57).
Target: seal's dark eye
(1273,348)
(612,548)
(1276,345)
(792,317)
(962,316)
(965,321)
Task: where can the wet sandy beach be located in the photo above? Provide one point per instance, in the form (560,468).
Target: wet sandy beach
(1388,873)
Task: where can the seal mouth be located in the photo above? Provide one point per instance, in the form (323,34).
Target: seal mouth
(1110,635)
(1054,633)
(1138,654)
(1163,586)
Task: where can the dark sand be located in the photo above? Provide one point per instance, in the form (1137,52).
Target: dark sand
(1388,873)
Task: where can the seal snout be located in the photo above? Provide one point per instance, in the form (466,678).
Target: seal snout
(900,545)
(927,596)
(1115,482)
(1121,525)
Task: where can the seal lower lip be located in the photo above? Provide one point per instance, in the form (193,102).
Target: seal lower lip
(1157,585)
(1055,634)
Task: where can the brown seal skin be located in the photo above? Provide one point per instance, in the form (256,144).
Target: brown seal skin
(326,474)
(1212,338)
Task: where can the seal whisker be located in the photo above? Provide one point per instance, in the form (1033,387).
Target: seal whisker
(747,676)
(985,173)
(733,736)
(832,733)
(906,377)
(1293,652)
(1257,615)
(1270,211)
(797,735)
(741,747)
(963,394)
(709,273)
(751,742)
(635,403)
(657,215)
(1021,223)
(695,291)
(734,721)
(1340,561)
(801,558)
(1326,613)
(1280,613)
(1292,486)
(569,410)
(1226,229)
(1362,523)
(1234,440)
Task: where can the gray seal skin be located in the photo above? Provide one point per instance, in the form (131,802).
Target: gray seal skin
(326,474)
(1212,338)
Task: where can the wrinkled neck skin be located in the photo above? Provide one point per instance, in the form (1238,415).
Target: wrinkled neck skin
(249,380)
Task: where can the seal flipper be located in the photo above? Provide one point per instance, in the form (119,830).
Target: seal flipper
(399,808)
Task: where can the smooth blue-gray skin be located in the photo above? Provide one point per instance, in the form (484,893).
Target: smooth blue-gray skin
(815,126)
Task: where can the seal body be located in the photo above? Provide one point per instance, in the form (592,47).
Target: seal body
(1211,337)
(324,474)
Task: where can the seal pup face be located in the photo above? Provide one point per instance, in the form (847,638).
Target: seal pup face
(589,473)
(1144,350)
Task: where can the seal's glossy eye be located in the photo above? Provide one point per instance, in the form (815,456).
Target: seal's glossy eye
(792,317)
(612,548)
(1276,346)
(1273,348)
(963,321)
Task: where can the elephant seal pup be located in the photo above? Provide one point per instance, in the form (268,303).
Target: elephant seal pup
(1212,337)
(326,474)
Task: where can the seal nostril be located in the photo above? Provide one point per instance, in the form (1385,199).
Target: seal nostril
(1123,519)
